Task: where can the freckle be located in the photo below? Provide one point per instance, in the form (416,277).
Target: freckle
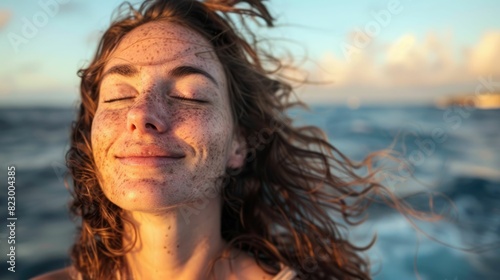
(169,227)
(164,247)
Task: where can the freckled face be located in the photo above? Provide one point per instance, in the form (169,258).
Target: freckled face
(162,132)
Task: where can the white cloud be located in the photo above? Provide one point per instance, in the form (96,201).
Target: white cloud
(30,82)
(406,67)
(484,58)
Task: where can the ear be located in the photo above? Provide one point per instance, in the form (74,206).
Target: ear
(237,151)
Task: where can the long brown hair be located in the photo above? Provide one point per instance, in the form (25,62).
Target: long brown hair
(279,206)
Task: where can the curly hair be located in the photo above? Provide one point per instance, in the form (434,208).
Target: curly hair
(279,207)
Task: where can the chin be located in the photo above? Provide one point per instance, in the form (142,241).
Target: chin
(146,194)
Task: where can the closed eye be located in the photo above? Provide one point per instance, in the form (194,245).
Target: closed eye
(189,99)
(117,99)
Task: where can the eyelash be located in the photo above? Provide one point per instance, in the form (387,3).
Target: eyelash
(117,99)
(176,97)
(190,99)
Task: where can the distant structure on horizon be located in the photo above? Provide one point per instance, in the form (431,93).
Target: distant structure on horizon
(485,101)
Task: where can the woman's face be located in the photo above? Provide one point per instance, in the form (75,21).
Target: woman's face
(163,133)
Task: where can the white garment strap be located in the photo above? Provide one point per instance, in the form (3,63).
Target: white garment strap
(286,273)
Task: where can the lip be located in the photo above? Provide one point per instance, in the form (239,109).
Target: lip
(148,161)
(148,156)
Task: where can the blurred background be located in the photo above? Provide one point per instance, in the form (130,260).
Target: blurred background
(424,72)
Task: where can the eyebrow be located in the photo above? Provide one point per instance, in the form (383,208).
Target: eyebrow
(128,70)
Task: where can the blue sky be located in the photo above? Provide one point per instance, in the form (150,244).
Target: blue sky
(415,51)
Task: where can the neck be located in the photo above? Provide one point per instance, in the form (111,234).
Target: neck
(178,243)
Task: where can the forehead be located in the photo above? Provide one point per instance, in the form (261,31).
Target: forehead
(162,42)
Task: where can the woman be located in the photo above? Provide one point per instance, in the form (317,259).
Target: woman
(185,165)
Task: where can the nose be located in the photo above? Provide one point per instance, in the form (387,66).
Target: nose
(147,116)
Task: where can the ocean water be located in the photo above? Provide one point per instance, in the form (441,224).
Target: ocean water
(455,152)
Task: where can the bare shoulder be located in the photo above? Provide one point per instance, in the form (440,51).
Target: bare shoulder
(60,274)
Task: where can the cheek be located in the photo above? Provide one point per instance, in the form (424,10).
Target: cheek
(104,128)
(208,130)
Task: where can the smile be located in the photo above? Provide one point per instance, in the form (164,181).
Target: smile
(152,161)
